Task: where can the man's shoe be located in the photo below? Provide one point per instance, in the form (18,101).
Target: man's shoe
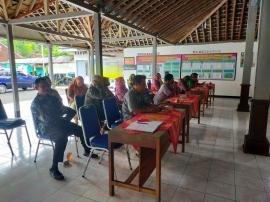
(87,153)
(56,174)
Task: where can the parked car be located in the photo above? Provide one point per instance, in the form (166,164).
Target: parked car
(24,81)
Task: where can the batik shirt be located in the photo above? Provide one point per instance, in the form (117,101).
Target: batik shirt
(134,100)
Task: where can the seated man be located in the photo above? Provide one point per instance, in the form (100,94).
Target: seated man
(136,101)
(53,119)
(166,90)
(52,91)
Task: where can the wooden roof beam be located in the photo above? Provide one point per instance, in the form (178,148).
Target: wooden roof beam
(4,7)
(47,31)
(33,2)
(210,29)
(217,17)
(241,19)
(46,18)
(226,19)
(87,7)
(233,18)
(18,8)
(35,8)
(198,24)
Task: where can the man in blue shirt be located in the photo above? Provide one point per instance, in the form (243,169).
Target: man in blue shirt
(53,120)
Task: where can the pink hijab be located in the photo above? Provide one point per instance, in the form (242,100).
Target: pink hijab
(120,89)
(157,82)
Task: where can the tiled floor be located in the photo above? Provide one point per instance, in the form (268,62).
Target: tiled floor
(213,169)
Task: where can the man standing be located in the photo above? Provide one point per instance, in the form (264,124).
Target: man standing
(52,120)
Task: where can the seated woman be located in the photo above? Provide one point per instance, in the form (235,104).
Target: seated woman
(135,101)
(76,88)
(130,81)
(157,82)
(120,89)
(98,91)
(106,84)
(166,90)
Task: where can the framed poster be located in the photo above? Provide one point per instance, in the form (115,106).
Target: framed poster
(165,63)
(217,66)
(129,60)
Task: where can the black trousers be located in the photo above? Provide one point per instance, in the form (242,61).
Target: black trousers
(62,130)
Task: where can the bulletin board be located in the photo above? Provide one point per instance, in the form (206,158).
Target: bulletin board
(165,63)
(218,66)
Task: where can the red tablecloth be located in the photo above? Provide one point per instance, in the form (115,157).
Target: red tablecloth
(203,89)
(172,122)
(182,99)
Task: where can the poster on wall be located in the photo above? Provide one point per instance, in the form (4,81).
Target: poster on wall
(219,66)
(129,63)
(165,63)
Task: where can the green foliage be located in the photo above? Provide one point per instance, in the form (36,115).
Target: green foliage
(29,49)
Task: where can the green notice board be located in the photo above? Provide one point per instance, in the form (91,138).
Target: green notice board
(165,63)
(220,66)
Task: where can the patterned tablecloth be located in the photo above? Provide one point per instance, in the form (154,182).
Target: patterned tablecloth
(184,99)
(172,122)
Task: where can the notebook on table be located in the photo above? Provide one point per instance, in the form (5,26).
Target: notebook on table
(147,126)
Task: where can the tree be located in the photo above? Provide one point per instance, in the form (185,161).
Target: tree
(29,49)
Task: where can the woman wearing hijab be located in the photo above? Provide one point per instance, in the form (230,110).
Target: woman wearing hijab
(76,88)
(120,89)
(130,81)
(157,82)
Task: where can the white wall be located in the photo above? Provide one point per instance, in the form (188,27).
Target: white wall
(227,88)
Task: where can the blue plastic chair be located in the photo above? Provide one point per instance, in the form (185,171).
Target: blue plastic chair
(114,118)
(112,112)
(79,100)
(42,138)
(94,140)
(7,124)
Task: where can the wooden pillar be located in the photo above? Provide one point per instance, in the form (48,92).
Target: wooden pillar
(256,141)
(98,43)
(12,64)
(250,37)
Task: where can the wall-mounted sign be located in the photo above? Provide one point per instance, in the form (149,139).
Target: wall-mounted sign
(165,63)
(220,66)
(129,61)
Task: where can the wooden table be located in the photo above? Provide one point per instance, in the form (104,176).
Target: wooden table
(152,147)
(203,97)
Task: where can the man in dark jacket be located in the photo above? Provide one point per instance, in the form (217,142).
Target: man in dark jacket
(53,120)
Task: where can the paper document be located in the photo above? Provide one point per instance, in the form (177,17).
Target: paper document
(149,126)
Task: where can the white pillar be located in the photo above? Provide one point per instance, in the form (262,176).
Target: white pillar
(262,79)
(12,64)
(250,37)
(50,64)
(154,59)
(91,63)
(243,105)
(98,43)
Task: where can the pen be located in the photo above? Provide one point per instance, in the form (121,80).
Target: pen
(142,122)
